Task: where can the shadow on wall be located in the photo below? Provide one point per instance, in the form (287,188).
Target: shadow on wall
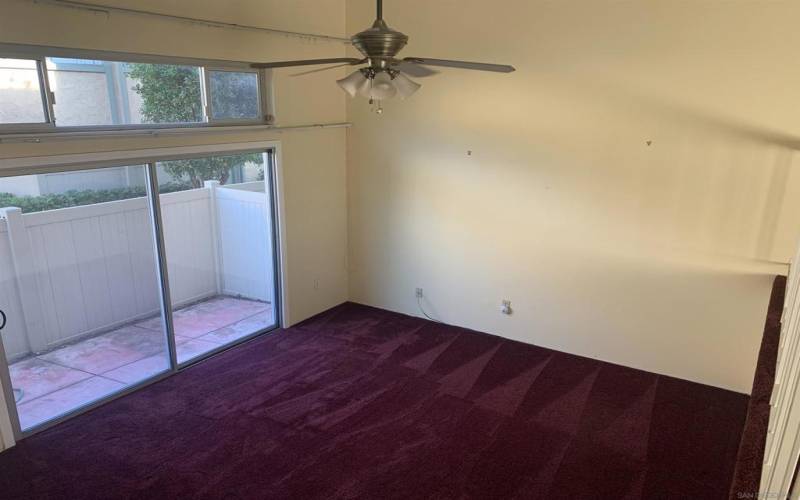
(742,157)
(626,170)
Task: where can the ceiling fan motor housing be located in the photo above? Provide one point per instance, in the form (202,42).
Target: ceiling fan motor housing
(384,75)
(380,43)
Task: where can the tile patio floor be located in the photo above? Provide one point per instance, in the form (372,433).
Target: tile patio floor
(71,376)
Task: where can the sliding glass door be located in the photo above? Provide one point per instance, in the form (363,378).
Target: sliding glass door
(79,286)
(116,276)
(220,251)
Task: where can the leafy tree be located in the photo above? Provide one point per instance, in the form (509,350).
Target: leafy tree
(211,168)
(172,94)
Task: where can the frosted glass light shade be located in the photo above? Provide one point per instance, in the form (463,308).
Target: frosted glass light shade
(363,88)
(405,86)
(382,87)
(354,83)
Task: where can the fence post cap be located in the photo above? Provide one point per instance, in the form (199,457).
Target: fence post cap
(10,210)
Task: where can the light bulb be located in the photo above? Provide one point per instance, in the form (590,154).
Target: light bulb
(404,85)
(382,87)
(353,83)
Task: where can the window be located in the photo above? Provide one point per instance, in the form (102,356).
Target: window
(61,92)
(82,91)
(97,93)
(22,93)
(234,95)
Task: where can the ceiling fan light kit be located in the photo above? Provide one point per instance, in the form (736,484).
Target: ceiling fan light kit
(384,76)
(405,86)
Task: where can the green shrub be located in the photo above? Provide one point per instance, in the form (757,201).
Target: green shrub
(75,198)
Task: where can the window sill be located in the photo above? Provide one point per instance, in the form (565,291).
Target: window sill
(35,138)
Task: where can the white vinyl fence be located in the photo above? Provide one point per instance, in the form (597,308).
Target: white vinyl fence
(75,272)
(245,246)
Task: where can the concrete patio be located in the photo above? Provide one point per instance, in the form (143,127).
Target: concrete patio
(61,380)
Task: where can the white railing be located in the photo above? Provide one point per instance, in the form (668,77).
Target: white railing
(75,272)
(783,435)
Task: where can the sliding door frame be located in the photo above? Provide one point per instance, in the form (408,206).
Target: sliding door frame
(270,183)
(273,178)
(161,263)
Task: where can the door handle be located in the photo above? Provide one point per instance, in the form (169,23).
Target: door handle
(2,319)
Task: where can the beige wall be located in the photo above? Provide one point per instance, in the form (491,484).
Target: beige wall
(313,161)
(658,257)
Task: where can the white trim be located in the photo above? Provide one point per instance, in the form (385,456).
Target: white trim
(782,446)
(280,231)
(35,164)
(154,132)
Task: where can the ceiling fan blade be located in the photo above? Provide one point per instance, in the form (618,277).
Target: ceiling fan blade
(415,70)
(308,62)
(320,69)
(497,68)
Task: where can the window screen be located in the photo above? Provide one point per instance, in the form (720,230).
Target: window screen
(234,95)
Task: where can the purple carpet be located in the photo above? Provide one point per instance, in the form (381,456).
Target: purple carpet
(363,403)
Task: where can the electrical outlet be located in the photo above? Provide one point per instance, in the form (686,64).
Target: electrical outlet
(419,293)
(316,284)
(506,307)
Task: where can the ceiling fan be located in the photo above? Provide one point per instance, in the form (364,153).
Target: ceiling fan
(384,76)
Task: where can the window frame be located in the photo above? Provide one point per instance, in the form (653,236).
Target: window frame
(274,176)
(46,96)
(41,53)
